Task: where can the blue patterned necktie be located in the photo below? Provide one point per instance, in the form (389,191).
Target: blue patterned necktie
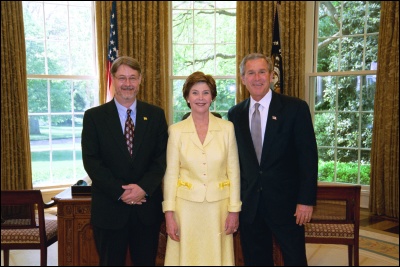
(256,131)
(129,131)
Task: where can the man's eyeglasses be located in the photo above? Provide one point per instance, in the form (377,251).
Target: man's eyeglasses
(123,79)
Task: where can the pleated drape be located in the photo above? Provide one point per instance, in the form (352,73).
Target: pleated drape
(384,185)
(254,31)
(143,34)
(16,170)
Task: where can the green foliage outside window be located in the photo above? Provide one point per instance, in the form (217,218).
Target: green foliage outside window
(344,102)
(204,39)
(62,84)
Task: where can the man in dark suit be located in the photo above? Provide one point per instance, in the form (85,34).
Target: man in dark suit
(278,190)
(126,182)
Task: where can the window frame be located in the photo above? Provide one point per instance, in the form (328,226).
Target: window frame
(173,77)
(71,81)
(312,17)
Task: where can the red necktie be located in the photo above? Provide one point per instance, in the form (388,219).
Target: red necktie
(129,131)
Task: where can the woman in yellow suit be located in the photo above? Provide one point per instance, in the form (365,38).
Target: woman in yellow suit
(201,183)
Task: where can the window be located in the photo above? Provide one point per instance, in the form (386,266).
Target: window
(204,39)
(342,87)
(62,84)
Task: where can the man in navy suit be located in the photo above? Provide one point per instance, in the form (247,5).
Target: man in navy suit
(126,183)
(278,191)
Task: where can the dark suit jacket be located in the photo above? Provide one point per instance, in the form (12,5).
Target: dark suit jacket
(107,162)
(288,171)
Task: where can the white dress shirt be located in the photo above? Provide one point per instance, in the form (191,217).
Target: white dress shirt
(264,107)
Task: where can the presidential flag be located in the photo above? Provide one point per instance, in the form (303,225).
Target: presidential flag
(276,56)
(112,48)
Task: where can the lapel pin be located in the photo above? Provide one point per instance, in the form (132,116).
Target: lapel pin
(274,118)
(145,118)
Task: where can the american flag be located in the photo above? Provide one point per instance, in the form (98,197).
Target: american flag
(276,55)
(112,48)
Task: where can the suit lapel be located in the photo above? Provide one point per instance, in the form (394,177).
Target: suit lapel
(143,121)
(245,128)
(191,129)
(212,127)
(114,126)
(272,125)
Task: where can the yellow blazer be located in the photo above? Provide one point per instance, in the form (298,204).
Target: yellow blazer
(198,172)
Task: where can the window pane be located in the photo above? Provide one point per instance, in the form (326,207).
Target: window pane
(354,17)
(57,57)
(373,19)
(37,96)
(85,95)
(40,167)
(328,58)
(226,26)
(204,31)
(204,58)
(56,22)
(182,22)
(64,166)
(179,103)
(183,59)
(325,93)
(61,130)
(349,93)
(204,4)
(371,55)
(182,4)
(226,59)
(36,60)
(329,18)
(79,16)
(347,34)
(365,167)
(39,132)
(367,122)
(33,15)
(368,92)
(324,127)
(34,35)
(60,96)
(347,166)
(352,50)
(56,25)
(77,123)
(326,165)
(82,62)
(225,4)
(226,89)
(347,129)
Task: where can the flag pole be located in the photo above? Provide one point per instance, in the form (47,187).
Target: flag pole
(112,52)
(276,55)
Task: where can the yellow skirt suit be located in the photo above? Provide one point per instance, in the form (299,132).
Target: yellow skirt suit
(201,185)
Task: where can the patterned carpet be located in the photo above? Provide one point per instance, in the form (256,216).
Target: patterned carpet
(381,244)
(377,248)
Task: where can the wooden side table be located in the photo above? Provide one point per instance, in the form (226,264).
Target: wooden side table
(76,245)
